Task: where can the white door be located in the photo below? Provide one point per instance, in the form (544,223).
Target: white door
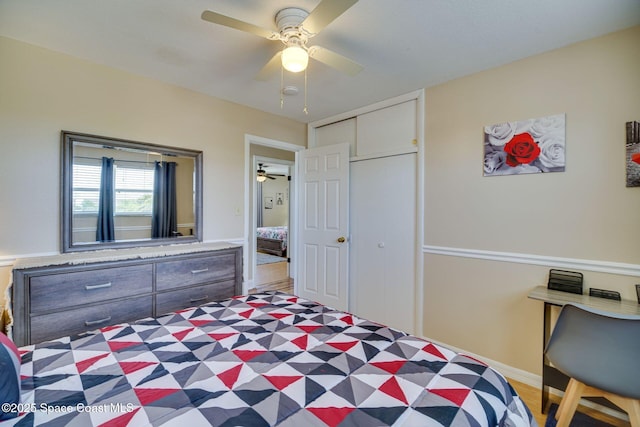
(323,253)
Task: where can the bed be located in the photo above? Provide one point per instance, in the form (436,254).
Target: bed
(259,360)
(272,240)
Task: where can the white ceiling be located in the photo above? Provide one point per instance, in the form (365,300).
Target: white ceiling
(403,45)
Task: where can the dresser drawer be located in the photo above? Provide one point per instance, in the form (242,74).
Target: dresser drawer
(75,321)
(193,271)
(193,297)
(60,291)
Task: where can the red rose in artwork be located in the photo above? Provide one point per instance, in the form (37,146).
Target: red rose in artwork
(521,149)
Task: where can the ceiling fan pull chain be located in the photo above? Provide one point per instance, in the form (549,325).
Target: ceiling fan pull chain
(305,92)
(281,87)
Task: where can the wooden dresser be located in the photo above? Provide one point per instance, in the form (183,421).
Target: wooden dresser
(59,298)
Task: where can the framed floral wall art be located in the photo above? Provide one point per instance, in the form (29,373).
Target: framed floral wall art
(633,154)
(526,146)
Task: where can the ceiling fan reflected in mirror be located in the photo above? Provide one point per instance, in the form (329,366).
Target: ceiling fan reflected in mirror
(295,27)
(261,174)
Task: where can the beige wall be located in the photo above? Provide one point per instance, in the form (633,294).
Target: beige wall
(585,213)
(279,214)
(42,93)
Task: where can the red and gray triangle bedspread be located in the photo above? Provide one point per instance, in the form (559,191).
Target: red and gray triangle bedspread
(260,360)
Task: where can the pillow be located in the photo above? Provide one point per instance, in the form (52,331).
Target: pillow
(9,375)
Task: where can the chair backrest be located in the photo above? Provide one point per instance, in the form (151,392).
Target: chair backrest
(599,349)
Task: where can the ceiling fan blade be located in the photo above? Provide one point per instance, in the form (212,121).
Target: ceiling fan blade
(270,68)
(270,177)
(325,13)
(227,21)
(335,60)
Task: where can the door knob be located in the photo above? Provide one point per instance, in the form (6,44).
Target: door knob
(341,239)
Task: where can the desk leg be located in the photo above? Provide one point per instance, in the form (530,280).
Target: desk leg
(545,362)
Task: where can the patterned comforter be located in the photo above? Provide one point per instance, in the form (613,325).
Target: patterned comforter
(259,360)
(276,233)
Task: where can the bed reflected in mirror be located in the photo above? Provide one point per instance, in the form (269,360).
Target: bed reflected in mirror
(120,193)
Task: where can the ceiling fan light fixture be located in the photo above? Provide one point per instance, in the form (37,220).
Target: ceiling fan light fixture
(295,59)
(261,178)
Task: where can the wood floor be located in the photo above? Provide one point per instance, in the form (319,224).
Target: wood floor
(273,277)
(532,396)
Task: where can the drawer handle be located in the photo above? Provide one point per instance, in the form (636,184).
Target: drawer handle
(204,270)
(198,299)
(92,287)
(96,322)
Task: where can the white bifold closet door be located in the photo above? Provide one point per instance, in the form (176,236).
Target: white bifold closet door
(383,240)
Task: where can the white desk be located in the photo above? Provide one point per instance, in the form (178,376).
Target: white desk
(551,377)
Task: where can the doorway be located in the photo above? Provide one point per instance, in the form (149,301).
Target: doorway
(272,207)
(272,153)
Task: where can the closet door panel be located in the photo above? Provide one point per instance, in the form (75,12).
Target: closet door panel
(367,269)
(383,245)
(400,239)
(338,133)
(387,130)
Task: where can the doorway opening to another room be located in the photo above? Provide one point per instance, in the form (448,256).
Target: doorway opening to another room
(272,222)
(278,156)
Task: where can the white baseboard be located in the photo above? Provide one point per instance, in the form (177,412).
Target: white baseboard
(246,286)
(519,375)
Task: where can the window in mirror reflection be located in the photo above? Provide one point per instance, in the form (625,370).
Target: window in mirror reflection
(145,195)
(133,188)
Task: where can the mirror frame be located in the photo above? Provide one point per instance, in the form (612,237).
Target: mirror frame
(66,208)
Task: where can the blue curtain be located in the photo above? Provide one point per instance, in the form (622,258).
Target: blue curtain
(105,231)
(165,212)
(259,210)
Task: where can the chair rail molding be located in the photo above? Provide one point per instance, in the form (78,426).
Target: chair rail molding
(599,266)
(9,260)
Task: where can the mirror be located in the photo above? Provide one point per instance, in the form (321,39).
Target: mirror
(152,195)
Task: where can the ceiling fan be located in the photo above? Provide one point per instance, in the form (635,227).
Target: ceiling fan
(295,27)
(261,174)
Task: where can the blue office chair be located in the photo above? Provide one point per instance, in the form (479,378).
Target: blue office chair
(600,352)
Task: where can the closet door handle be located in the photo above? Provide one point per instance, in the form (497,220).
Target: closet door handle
(341,239)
